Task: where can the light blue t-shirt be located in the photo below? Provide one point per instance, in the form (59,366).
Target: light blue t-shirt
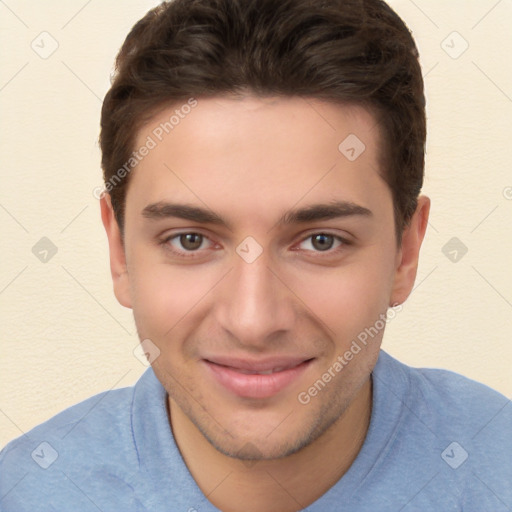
(437,442)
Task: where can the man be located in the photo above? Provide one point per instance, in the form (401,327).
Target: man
(263,161)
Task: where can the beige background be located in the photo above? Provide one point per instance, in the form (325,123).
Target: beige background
(63,335)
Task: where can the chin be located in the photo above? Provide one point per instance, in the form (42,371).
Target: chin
(275,443)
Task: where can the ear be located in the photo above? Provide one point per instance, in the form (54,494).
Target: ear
(118,266)
(408,255)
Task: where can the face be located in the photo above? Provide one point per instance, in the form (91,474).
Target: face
(256,251)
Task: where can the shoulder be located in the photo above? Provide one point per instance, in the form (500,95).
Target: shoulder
(106,409)
(454,427)
(444,393)
(454,401)
(92,437)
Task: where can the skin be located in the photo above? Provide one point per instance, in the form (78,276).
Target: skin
(250,160)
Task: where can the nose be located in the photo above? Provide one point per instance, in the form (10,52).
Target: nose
(254,305)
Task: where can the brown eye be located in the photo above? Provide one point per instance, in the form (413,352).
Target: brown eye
(188,245)
(322,242)
(191,241)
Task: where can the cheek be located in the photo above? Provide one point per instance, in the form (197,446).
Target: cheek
(162,295)
(348,298)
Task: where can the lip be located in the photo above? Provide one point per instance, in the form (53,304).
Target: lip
(234,374)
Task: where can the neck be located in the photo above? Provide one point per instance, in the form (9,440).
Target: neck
(280,485)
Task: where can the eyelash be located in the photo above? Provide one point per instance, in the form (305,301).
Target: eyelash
(194,254)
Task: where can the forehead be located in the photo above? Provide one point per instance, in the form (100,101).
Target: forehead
(258,153)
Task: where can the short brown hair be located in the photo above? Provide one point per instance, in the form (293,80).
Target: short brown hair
(347,51)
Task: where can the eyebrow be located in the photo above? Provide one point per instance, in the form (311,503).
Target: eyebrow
(315,212)
(312,213)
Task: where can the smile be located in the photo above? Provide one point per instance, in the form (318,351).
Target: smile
(256,379)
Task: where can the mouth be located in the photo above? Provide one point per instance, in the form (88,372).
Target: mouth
(256,379)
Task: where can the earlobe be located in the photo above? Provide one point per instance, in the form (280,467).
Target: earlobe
(408,255)
(118,268)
